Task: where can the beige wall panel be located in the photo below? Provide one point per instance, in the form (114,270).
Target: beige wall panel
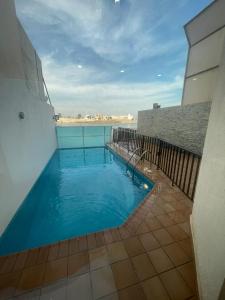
(200,88)
(206,54)
(200,27)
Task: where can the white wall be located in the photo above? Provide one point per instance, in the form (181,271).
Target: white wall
(200,26)
(25,145)
(206,54)
(206,35)
(208,217)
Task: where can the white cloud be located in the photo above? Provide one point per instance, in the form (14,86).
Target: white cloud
(69,93)
(59,74)
(120,36)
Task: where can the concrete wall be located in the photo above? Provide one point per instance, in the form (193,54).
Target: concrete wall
(26,144)
(184,126)
(205,48)
(208,217)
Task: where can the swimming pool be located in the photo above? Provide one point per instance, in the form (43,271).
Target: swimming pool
(80,191)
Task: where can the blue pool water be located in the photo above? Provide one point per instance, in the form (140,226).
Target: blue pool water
(79,192)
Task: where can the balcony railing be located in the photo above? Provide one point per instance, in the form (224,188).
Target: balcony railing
(179,164)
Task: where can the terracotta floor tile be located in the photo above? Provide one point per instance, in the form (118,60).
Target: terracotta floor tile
(149,214)
(124,233)
(160,260)
(53,252)
(185,226)
(178,217)
(163,237)
(132,229)
(142,228)
(168,207)
(177,233)
(176,254)
(108,237)
(55,270)
(32,295)
(133,246)
(79,288)
(55,291)
(31,278)
(175,285)
(134,292)
(143,266)
(187,247)
(32,258)
(100,240)
(116,235)
(165,220)
(113,296)
(8,284)
(157,210)
(43,255)
(83,245)
(98,258)
(73,246)
(63,249)
(149,241)
(103,283)
(78,264)
(8,264)
(154,289)
(91,241)
(124,274)
(116,252)
(20,261)
(153,223)
(179,205)
(187,271)
(170,198)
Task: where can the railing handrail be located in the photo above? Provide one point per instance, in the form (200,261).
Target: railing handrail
(159,139)
(179,164)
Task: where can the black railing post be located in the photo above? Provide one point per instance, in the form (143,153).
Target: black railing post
(159,155)
(175,166)
(173,160)
(142,145)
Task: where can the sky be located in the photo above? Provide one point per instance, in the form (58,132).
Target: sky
(110,56)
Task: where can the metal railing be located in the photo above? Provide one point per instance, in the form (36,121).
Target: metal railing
(179,164)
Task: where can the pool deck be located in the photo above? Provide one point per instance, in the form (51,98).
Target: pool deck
(149,257)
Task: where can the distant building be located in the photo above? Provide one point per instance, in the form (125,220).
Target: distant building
(89,117)
(128,117)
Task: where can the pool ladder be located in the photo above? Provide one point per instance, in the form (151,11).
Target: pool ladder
(140,158)
(132,157)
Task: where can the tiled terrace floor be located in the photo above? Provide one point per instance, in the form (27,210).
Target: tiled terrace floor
(150,257)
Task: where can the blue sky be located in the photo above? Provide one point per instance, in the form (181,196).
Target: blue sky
(110,56)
